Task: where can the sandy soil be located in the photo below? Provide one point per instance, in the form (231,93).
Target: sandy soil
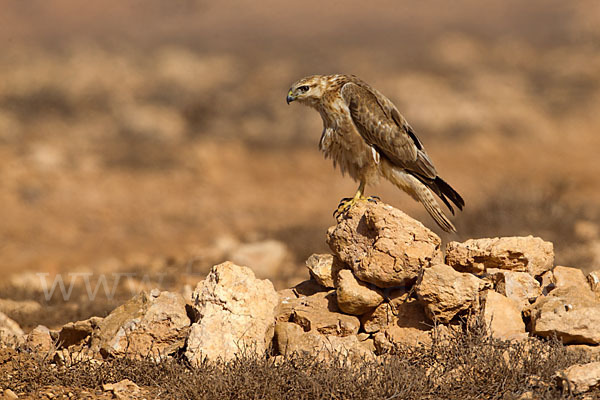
(135,133)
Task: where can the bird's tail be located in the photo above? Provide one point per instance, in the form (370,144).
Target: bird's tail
(421,192)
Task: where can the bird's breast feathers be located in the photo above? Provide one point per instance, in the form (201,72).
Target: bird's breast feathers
(341,141)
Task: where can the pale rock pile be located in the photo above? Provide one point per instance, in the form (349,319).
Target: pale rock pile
(386,284)
(388,271)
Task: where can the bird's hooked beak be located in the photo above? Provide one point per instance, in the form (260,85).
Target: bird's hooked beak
(290,97)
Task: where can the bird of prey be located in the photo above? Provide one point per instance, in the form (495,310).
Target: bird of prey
(366,136)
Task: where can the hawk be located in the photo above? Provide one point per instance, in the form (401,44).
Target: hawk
(365,135)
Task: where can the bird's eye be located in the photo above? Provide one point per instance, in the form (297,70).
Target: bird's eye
(303,89)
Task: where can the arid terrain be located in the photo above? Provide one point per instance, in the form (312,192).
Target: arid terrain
(151,140)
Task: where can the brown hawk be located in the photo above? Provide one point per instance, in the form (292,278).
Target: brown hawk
(366,136)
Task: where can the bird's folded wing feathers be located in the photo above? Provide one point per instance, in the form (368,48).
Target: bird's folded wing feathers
(381,125)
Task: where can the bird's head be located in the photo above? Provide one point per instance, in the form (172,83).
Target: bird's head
(308,90)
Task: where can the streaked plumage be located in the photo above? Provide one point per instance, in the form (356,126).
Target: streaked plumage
(366,136)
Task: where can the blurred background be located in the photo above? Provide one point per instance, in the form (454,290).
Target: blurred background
(153,136)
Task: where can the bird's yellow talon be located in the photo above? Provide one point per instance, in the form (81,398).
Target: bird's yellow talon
(344,206)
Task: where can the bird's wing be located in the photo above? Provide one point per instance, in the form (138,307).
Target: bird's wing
(381,126)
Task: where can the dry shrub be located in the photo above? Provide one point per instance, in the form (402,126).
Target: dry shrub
(469,365)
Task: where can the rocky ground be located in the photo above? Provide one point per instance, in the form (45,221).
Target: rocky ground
(493,318)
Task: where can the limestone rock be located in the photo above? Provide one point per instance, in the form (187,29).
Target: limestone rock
(567,276)
(395,336)
(20,308)
(289,300)
(124,390)
(579,378)
(523,254)
(153,324)
(593,279)
(401,311)
(320,313)
(236,314)
(502,316)
(584,350)
(73,333)
(8,395)
(382,245)
(409,312)
(311,305)
(265,258)
(547,282)
(573,314)
(308,288)
(378,319)
(519,286)
(285,306)
(446,292)
(356,297)
(400,322)
(290,338)
(10,331)
(39,339)
(324,269)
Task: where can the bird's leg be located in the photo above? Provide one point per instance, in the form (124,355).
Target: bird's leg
(347,202)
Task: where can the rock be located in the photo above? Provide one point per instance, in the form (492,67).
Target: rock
(382,245)
(21,308)
(308,288)
(593,279)
(236,314)
(10,331)
(401,310)
(324,269)
(573,314)
(30,282)
(567,276)
(522,254)
(285,306)
(39,339)
(401,322)
(547,282)
(73,333)
(123,390)
(356,297)
(519,286)
(409,312)
(579,378)
(265,258)
(292,339)
(9,395)
(378,319)
(394,337)
(502,316)
(320,313)
(446,292)
(301,294)
(584,350)
(145,325)
(317,310)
